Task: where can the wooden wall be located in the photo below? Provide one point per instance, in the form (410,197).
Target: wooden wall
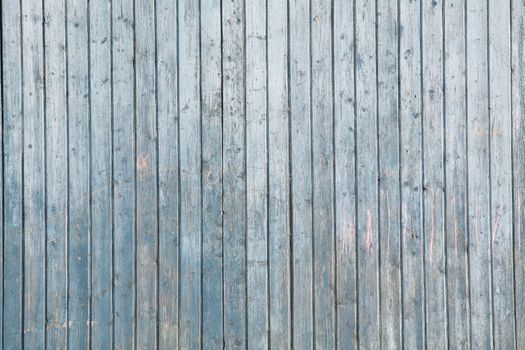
(263,173)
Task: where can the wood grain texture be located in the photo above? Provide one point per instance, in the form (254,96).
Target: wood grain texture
(78,180)
(56,173)
(323,176)
(257,246)
(33,96)
(212,191)
(12,138)
(169,180)
(234,159)
(456,189)
(146,172)
(367,243)
(124,179)
(279,216)
(411,127)
(302,174)
(389,192)
(345,181)
(433,174)
(246,174)
(101,173)
(478,154)
(500,138)
(518,162)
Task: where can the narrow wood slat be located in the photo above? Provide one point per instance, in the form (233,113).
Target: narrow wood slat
(12,138)
(433,175)
(257,164)
(389,192)
(168,121)
(279,229)
(518,152)
(56,173)
(101,173)
(146,173)
(212,216)
(500,138)
(345,181)
(302,175)
(124,218)
(456,207)
(480,228)
(412,231)
(190,176)
(78,181)
(234,173)
(33,97)
(367,244)
(323,178)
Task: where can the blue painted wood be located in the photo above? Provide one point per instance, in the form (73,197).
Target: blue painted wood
(389,172)
(411,174)
(234,174)
(146,171)
(433,173)
(124,180)
(389,192)
(518,163)
(300,46)
(262,174)
(345,170)
(190,142)
(101,173)
(78,181)
(321,89)
(212,191)
(257,166)
(367,195)
(279,215)
(12,331)
(168,119)
(456,191)
(56,173)
(478,155)
(34,227)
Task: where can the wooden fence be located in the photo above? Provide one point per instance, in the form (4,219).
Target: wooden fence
(263,173)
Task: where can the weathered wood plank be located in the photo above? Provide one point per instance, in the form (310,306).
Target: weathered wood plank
(211,104)
(323,178)
(279,226)
(56,173)
(12,138)
(367,243)
(302,173)
(190,176)
(101,173)
(146,169)
(168,121)
(33,97)
(500,138)
(234,173)
(123,175)
(412,231)
(478,175)
(456,210)
(389,192)
(257,166)
(1,193)
(518,152)
(78,181)
(433,174)
(345,189)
